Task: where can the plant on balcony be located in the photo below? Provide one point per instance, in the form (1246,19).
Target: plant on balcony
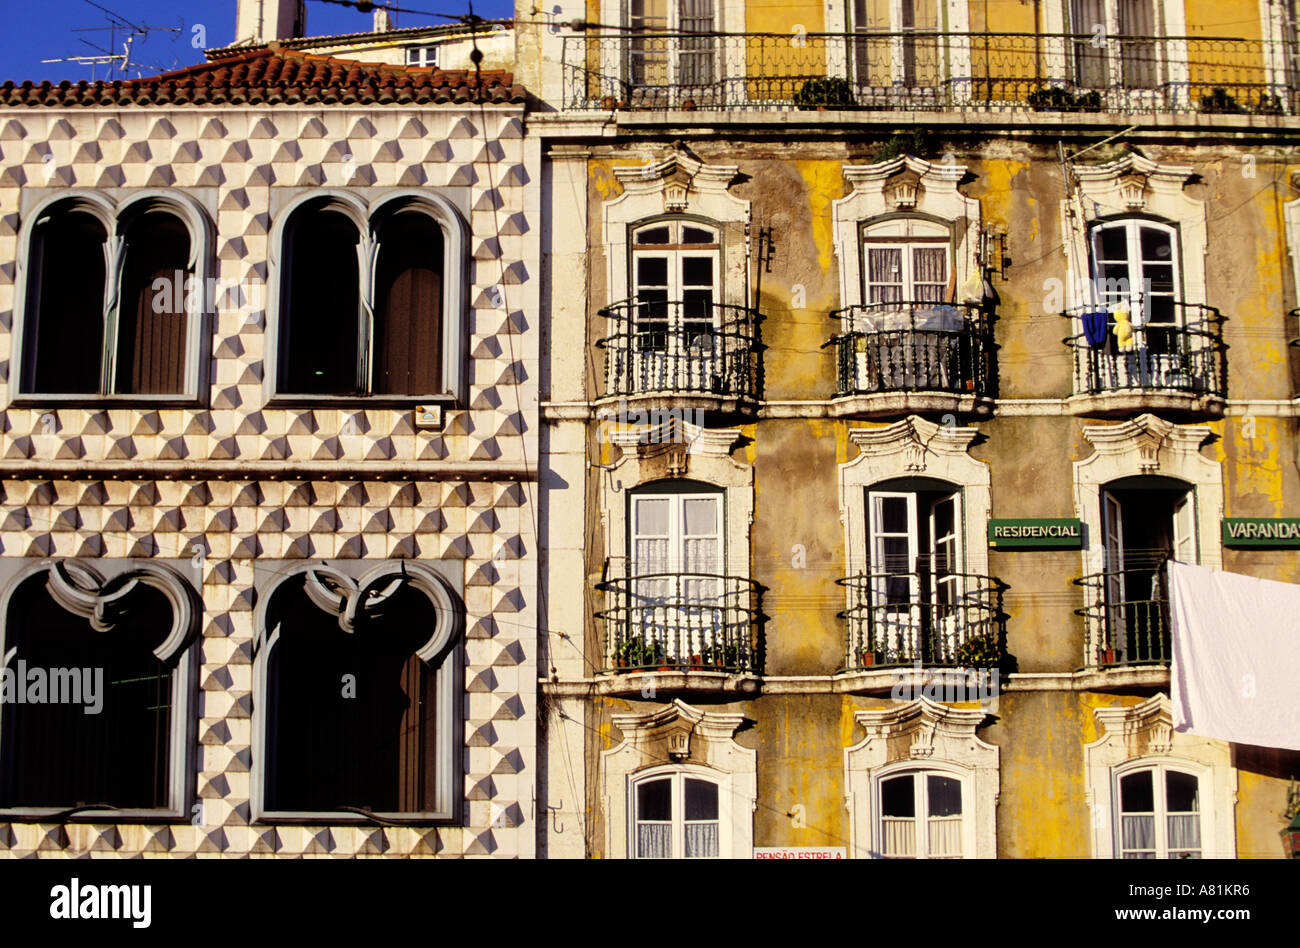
(721,656)
(1267,105)
(637,652)
(1057,99)
(980,651)
(1219,101)
(824,93)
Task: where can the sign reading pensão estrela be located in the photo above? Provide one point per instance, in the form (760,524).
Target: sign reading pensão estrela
(1059,533)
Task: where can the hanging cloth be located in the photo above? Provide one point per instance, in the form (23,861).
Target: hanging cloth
(1094,327)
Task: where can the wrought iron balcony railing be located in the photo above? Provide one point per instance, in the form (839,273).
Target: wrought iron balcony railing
(681,348)
(912,347)
(665,621)
(923,617)
(1126,617)
(928,71)
(1184,355)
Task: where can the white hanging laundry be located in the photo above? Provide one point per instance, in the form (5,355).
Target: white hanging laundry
(1236,656)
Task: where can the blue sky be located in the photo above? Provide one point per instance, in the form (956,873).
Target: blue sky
(46,29)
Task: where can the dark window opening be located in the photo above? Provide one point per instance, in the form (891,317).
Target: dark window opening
(408,306)
(65,347)
(152,322)
(351,717)
(65,754)
(322,304)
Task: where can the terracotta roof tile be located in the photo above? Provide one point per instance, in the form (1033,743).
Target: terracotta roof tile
(274,76)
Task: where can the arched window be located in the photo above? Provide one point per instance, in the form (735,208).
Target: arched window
(369,300)
(113,299)
(1159,809)
(95,707)
(360,695)
(923,815)
(676,815)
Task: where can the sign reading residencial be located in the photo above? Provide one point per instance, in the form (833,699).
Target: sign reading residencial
(1277,532)
(799,852)
(1060,533)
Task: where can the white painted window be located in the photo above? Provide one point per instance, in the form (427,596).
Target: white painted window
(915,561)
(675,268)
(1159,811)
(422,55)
(923,815)
(895,42)
(660,55)
(906,260)
(677,815)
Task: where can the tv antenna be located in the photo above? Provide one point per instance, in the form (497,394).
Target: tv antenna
(121,63)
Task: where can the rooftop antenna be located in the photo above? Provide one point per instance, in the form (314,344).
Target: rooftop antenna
(121,62)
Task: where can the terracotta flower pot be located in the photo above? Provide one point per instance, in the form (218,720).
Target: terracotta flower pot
(868,659)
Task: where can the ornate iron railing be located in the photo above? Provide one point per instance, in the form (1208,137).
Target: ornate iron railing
(923,617)
(681,348)
(1186,354)
(912,347)
(928,71)
(1126,617)
(688,621)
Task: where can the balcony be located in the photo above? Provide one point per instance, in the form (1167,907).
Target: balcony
(926,71)
(924,620)
(691,631)
(1179,365)
(1126,623)
(902,357)
(682,355)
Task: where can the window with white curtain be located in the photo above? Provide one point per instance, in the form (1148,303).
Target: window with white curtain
(922,815)
(676,816)
(907,260)
(1159,814)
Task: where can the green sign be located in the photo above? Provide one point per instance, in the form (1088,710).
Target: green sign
(1277,532)
(1060,533)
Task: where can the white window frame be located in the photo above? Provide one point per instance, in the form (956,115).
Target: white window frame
(919,771)
(676,535)
(953,58)
(729,58)
(422,56)
(455,282)
(1158,768)
(1140,734)
(111,208)
(917,233)
(358,580)
(677,775)
(167,577)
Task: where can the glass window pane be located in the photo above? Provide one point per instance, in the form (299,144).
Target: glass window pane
(652,235)
(652,516)
(895,554)
(697,271)
(702,841)
(944,795)
(1135,793)
(701,799)
(897,797)
(652,271)
(654,841)
(698,235)
(1156,244)
(654,799)
(885,265)
(701,516)
(1114,243)
(1181,794)
(892,517)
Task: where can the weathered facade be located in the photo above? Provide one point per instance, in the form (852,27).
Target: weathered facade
(854,284)
(269,439)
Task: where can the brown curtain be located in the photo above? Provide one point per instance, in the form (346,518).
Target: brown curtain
(408,307)
(65,347)
(319,314)
(152,326)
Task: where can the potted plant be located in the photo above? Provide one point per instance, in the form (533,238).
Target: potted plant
(636,652)
(722,656)
(1051,99)
(1109,655)
(1219,101)
(980,651)
(832,91)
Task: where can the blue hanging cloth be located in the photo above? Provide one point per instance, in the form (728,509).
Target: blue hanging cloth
(1094,327)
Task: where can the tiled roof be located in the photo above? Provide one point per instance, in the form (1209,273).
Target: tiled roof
(275,76)
(409,33)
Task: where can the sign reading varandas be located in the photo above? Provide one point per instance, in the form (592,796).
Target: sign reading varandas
(1283,532)
(1060,533)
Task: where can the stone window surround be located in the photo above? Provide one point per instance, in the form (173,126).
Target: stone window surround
(442,586)
(673,738)
(922,734)
(904,187)
(361,205)
(915,447)
(168,577)
(193,207)
(1142,735)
